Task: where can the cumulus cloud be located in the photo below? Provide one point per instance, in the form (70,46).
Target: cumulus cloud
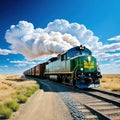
(5,51)
(58,36)
(117,38)
(110,68)
(20,65)
(110,47)
(108,56)
(23,63)
(84,35)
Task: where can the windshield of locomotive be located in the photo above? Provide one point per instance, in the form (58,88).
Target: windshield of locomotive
(74,53)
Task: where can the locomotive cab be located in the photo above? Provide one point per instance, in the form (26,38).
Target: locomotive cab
(84,66)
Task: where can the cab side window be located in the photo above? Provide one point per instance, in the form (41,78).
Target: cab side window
(63,57)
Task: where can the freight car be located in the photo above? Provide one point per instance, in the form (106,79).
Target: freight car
(76,67)
(36,71)
(39,70)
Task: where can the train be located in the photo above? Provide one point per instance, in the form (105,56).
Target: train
(76,66)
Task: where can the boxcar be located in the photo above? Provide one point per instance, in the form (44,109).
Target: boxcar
(39,70)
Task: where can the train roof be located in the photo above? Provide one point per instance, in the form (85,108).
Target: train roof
(82,48)
(53,59)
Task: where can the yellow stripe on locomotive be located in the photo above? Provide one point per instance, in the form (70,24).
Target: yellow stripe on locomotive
(89,65)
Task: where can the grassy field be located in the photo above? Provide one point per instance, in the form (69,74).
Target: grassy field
(10,83)
(110,82)
(14,91)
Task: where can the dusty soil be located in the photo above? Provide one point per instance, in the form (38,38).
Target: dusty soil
(43,106)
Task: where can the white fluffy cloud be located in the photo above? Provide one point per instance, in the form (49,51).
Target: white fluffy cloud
(110,68)
(108,56)
(110,47)
(5,51)
(58,36)
(117,38)
(23,63)
(84,35)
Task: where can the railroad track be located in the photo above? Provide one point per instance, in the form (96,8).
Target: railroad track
(92,104)
(98,104)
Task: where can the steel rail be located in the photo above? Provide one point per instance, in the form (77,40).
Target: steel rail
(100,115)
(107,92)
(103,98)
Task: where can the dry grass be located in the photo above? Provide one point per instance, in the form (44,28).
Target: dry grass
(111,82)
(10,83)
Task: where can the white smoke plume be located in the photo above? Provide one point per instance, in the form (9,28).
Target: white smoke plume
(33,43)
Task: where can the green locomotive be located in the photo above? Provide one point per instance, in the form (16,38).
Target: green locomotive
(76,67)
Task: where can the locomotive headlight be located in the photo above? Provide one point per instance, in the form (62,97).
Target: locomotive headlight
(81,69)
(89,58)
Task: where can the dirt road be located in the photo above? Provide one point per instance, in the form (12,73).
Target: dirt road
(43,106)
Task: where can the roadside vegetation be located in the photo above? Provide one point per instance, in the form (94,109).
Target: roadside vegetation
(110,82)
(14,91)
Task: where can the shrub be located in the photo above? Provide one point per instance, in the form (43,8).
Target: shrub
(5,112)
(12,105)
(31,90)
(20,90)
(34,88)
(28,93)
(22,99)
(23,93)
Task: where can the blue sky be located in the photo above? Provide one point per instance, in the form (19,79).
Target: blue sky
(98,19)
